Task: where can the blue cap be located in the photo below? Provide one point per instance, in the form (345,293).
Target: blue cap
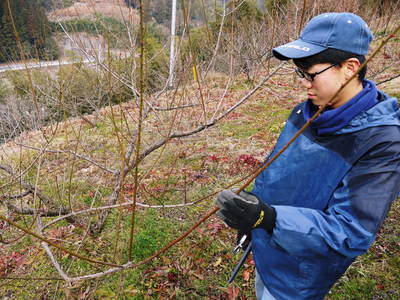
(343,31)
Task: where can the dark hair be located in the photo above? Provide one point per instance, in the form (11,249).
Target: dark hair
(332,56)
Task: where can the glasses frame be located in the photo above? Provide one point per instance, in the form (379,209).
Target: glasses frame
(310,76)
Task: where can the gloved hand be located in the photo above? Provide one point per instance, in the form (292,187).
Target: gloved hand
(245,211)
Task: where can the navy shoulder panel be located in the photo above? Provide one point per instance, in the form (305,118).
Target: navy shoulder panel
(350,146)
(374,183)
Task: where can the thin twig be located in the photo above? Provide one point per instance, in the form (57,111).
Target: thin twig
(160,143)
(302,16)
(139,129)
(29,187)
(68,152)
(145,261)
(389,79)
(27,231)
(50,253)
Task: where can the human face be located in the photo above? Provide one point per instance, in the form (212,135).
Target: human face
(324,85)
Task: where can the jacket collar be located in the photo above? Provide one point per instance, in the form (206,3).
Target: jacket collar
(333,120)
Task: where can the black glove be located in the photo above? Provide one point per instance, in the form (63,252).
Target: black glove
(245,211)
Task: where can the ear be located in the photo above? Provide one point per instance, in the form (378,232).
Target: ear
(351,66)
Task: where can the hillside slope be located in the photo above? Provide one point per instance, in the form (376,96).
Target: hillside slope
(89,8)
(76,165)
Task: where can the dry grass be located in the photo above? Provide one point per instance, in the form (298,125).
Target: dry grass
(88,8)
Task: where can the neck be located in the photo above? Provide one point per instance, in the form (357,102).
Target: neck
(349,91)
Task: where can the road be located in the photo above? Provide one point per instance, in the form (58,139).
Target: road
(41,64)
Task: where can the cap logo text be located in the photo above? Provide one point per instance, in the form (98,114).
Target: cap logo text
(297,47)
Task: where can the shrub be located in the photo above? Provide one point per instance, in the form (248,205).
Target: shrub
(156,68)
(275,5)
(4,92)
(201,49)
(107,26)
(82,91)
(29,82)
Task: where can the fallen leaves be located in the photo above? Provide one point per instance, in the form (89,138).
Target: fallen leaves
(246,275)
(233,292)
(217,262)
(215,227)
(10,262)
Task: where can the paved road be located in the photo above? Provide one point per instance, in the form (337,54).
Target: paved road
(42,64)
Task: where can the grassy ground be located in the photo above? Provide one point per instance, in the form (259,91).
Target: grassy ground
(186,170)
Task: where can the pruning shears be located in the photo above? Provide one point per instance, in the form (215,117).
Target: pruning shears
(242,259)
(239,246)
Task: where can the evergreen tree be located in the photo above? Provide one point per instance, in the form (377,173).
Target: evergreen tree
(24,31)
(132,3)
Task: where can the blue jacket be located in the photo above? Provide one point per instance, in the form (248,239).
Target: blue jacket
(331,193)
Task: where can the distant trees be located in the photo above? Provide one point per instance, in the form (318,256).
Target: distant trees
(52,4)
(25,31)
(160,10)
(132,3)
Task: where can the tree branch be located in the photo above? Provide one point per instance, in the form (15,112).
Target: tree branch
(50,254)
(13,197)
(160,143)
(68,152)
(41,212)
(389,79)
(29,187)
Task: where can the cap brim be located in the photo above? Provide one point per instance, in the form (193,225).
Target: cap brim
(297,49)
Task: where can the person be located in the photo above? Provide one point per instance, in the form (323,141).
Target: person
(320,204)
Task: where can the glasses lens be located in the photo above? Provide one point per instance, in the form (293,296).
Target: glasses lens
(300,73)
(303,74)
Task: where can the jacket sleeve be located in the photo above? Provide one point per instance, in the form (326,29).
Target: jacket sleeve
(355,211)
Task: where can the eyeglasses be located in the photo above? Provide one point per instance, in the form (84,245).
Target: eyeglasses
(311,76)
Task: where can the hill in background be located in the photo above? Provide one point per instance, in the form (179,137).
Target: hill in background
(88,8)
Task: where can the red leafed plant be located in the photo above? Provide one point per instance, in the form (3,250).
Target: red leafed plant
(249,160)
(10,262)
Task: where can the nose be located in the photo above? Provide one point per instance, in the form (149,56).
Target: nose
(305,83)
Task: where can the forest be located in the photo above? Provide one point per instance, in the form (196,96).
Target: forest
(25,32)
(111,158)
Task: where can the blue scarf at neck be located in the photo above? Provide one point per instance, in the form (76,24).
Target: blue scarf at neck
(334,119)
